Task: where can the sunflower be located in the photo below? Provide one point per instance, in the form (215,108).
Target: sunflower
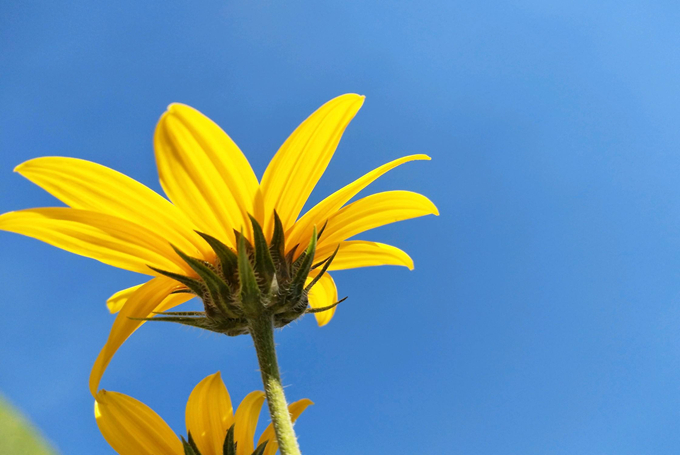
(132,428)
(222,235)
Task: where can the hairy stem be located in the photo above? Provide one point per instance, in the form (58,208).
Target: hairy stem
(262,331)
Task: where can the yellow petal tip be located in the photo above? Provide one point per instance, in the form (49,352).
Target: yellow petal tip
(322,323)
(355,97)
(433,208)
(417,157)
(20,167)
(174,107)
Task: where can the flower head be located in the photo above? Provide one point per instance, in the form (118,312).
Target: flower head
(132,428)
(222,235)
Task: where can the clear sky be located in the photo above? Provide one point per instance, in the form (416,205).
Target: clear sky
(543,315)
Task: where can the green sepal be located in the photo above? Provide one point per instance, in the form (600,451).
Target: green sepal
(205,270)
(238,235)
(326,264)
(277,248)
(229,447)
(192,321)
(296,264)
(250,291)
(325,308)
(323,228)
(190,447)
(260,449)
(182,291)
(230,327)
(303,266)
(220,292)
(227,257)
(291,254)
(180,313)
(320,263)
(195,285)
(264,264)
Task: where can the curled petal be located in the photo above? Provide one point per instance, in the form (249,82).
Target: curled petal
(324,293)
(133,428)
(209,414)
(153,296)
(117,300)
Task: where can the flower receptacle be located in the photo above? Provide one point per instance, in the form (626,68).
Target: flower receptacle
(257,279)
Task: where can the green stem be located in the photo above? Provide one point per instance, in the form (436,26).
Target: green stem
(262,331)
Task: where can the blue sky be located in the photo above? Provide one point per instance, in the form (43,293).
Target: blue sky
(543,315)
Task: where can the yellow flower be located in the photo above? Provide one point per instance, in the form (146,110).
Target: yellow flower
(132,428)
(213,192)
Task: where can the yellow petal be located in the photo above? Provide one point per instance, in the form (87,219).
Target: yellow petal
(209,414)
(153,296)
(85,185)
(108,239)
(302,231)
(117,300)
(295,409)
(133,428)
(246,418)
(203,172)
(323,294)
(374,211)
(359,253)
(302,159)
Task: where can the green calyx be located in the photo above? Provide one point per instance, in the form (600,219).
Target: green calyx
(229,447)
(257,279)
